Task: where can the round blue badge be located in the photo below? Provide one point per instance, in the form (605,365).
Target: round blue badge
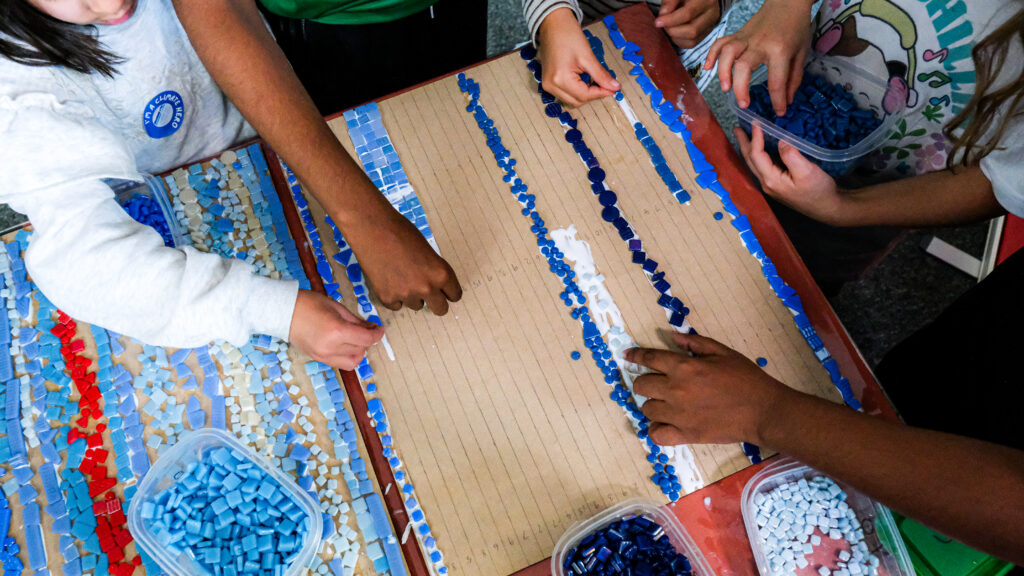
(164,114)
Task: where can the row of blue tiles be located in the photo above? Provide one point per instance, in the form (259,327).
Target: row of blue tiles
(707,179)
(371,516)
(573,296)
(380,161)
(611,212)
(671,117)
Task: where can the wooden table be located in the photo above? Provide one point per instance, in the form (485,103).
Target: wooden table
(718,527)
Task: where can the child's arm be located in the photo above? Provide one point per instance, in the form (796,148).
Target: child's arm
(100,266)
(964,488)
(936,199)
(778,35)
(329,332)
(96,263)
(687,22)
(565,54)
(241,55)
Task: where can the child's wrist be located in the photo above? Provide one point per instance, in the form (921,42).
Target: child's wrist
(846,210)
(557,21)
(791,4)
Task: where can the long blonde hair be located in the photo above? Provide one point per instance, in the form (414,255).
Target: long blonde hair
(990,55)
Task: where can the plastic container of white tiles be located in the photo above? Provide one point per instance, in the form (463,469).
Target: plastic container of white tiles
(646,507)
(174,463)
(880,531)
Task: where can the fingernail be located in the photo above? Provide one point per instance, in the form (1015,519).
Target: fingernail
(616,85)
(658,24)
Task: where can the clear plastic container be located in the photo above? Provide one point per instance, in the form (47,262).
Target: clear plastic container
(169,467)
(880,531)
(869,95)
(152,186)
(654,511)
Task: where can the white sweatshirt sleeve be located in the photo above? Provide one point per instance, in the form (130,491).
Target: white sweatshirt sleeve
(536,11)
(94,261)
(1004,169)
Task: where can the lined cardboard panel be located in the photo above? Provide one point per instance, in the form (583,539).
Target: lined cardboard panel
(507,440)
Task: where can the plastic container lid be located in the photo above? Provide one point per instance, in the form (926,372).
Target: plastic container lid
(173,464)
(153,187)
(936,555)
(654,511)
(880,532)
(870,92)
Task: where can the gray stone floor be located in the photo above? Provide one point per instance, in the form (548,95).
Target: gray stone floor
(907,290)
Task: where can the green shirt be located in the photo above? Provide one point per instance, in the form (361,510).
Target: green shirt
(347,11)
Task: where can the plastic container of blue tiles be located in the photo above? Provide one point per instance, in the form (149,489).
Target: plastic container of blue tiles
(880,531)
(869,95)
(173,464)
(647,507)
(153,187)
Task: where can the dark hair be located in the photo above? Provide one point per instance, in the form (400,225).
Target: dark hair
(976,118)
(27,36)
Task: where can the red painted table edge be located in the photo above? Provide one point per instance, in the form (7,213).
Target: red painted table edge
(415,561)
(1012,238)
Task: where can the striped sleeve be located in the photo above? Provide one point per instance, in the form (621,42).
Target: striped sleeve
(536,11)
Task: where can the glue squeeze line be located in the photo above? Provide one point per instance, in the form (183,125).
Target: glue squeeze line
(707,179)
(670,116)
(573,296)
(682,469)
(611,212)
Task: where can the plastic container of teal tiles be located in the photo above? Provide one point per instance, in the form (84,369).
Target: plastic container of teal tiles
(870,92)
(173,463)
(647,507)
(880,531)
(153,187)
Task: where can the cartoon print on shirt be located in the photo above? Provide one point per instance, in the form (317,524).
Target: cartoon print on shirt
(896,61)
(922,50)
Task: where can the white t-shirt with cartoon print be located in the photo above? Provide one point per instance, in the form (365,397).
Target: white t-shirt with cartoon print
(923,49)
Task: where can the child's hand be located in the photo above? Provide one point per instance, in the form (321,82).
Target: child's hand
(564,55)
(688,22)
(803,186)
(400,265)
(329,333)
(778,35)
(714,397)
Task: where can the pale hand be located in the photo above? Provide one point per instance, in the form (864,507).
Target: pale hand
(400,265)
(688,22)
(329,333)
(778,35)
(708,394)
(564,55)
(802,186)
